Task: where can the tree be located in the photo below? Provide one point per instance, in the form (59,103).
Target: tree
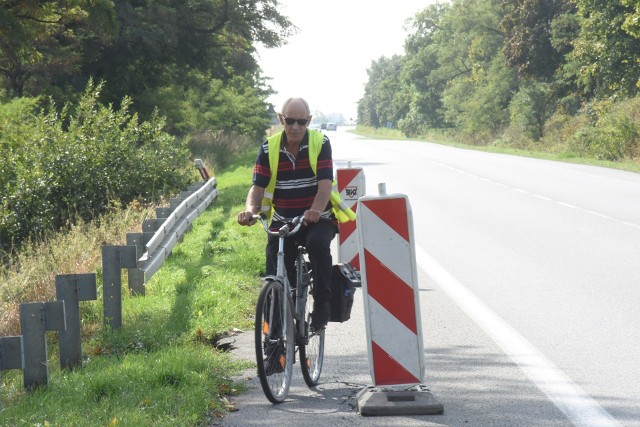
(381,103)
(479,83)
(528,31)
(40,41)
(150,51)
(165,43)
(605,60)
(423,89)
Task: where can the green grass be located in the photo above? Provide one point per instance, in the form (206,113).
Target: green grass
(162,368)
(564,156)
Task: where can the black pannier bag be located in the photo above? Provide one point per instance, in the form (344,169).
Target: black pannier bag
(344,281)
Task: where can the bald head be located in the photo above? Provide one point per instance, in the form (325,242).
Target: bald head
(295,117)
(299,104)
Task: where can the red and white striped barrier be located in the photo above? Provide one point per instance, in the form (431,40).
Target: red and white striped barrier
(391,299)
(351,186)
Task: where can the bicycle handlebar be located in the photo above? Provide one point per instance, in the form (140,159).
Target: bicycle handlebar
(285,230)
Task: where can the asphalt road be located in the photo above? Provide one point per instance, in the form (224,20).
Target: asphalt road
(529,276)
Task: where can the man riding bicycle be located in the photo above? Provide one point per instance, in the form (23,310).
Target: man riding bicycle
(293,176)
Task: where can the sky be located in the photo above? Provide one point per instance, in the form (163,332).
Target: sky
(326,62)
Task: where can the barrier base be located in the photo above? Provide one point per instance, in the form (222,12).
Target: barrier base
(417,400)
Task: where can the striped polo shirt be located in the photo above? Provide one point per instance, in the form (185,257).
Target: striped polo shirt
(296,184)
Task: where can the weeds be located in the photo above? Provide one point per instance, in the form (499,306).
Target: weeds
(165,366)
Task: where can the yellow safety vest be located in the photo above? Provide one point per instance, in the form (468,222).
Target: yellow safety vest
(341,211)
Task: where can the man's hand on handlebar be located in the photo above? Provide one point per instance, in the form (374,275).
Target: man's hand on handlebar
(246,218)
(311,216)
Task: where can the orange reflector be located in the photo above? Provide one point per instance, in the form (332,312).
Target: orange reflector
(265,328)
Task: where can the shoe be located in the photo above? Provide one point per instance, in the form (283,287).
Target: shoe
(320,316)
(274,359)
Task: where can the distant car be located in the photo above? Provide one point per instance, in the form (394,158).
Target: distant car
(332,126)
(315,126)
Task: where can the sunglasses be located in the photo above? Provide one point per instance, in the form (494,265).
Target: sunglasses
(290,121)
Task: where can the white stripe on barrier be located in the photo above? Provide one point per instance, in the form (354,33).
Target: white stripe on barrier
(349,248)
(388,246)
(394,338)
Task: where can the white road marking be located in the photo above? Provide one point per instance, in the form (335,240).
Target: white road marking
(539,196)
(579,407)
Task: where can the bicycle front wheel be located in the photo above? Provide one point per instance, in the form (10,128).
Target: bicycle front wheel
(274,341)
(311,358)
(312,345)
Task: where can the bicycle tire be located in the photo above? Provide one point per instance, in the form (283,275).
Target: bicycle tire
(274,341)
(311,346)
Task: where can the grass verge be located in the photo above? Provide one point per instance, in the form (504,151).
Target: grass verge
(563,156)
(163,367)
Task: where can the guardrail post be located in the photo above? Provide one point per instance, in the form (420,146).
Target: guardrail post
(36,319)
(11,355)
(135,275)
(151,225)
(73,288)
(114,259)
(174,202)
(163,212)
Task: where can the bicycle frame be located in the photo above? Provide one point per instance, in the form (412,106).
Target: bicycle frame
(281,274)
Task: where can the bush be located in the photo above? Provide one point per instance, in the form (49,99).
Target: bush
(75,163)
(613,133)
(530,108)
(560,128)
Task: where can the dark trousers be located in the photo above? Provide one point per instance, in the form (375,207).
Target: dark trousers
(317,239)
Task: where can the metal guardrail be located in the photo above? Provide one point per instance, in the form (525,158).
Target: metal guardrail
(172,229)
(142,256)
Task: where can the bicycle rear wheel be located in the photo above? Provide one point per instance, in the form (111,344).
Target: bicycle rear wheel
(274,341)
(312,344)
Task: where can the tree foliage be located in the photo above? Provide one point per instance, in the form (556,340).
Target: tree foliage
(149,51)
(606,54)
(75,162)
(484,68)
(382,103)
(528,43)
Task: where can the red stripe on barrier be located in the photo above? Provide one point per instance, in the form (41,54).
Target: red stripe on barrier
(355,262)
(393,212)
(345,176)
(346,229)
(390,291)
(387,370)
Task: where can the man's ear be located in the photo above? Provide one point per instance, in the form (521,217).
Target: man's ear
(281,118)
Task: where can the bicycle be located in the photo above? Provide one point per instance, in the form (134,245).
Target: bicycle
(282,324)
